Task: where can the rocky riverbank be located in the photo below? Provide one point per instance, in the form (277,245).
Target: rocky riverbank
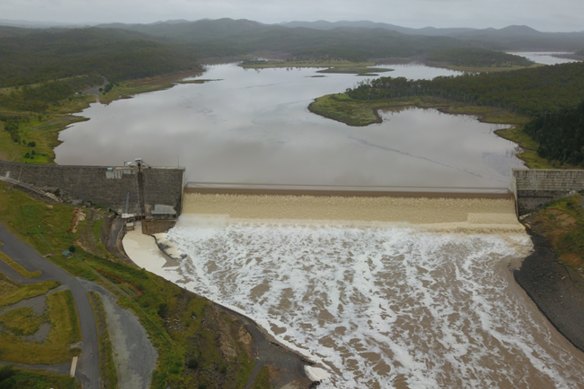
(556,288)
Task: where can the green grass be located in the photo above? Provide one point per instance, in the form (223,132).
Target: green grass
(56,348)
(341,108)
(17,267)
(187,324)
(12,293)
(562,224)
(107,366)
(528,153)
(11,378)
(21,321)
(130,88)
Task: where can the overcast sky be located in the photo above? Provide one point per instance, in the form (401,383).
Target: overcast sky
(544,15)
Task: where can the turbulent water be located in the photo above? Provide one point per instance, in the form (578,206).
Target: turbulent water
(384,306)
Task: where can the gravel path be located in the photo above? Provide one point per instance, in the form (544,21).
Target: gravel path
(133,353)
(25,255)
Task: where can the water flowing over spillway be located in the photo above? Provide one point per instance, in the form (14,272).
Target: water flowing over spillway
(381,304)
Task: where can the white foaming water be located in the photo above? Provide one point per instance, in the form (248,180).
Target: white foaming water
(381,307)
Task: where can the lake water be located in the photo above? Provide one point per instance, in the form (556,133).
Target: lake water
(253,126)
(545,57)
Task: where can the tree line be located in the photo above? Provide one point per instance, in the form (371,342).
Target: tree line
(41,56)
(548,94)
(560,134)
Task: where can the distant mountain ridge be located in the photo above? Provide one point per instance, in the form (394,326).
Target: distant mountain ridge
(510,38)
(514,37)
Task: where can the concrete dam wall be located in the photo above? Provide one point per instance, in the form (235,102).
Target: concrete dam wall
(125,189)
(535,188)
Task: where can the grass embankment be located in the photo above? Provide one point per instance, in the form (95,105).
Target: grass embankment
(12,378)
(107,367)
(127,89)
(342,108)
(364,68)
(64,331)
(17,267)
(11,293)
(562,224)
(198,344)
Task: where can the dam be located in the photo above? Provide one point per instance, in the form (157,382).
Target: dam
(378,287)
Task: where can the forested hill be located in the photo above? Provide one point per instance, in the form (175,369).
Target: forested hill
(529,91)
(560,134)
(32,56)
(552,95)
(227,37)
(315,36)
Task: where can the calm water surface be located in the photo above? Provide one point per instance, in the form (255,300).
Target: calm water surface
(253,126)
(545,57)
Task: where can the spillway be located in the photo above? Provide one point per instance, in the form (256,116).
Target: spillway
(380,291)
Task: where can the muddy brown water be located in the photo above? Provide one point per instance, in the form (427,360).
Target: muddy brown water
(396,292)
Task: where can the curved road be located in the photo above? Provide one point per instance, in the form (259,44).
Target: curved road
(88,366)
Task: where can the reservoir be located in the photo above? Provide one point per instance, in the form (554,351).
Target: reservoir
(253,126)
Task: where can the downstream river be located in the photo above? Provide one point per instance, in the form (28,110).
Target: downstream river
(400,293)
(253,126)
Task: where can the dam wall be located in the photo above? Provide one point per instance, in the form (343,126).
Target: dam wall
(535,188)
(124,189)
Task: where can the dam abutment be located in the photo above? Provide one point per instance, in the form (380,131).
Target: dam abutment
(534,188)
(141,190)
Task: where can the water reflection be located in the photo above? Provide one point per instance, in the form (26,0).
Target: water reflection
(254,127)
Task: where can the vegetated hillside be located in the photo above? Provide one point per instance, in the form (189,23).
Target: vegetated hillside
(477,57)
(528,91)
(523,38)
(560,134)
(227,37)
(349,40)
(42,55)
(508,38)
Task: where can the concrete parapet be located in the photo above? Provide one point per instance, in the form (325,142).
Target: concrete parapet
(535,188)
(115,187)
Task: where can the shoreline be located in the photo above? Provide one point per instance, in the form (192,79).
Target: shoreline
(556,289)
